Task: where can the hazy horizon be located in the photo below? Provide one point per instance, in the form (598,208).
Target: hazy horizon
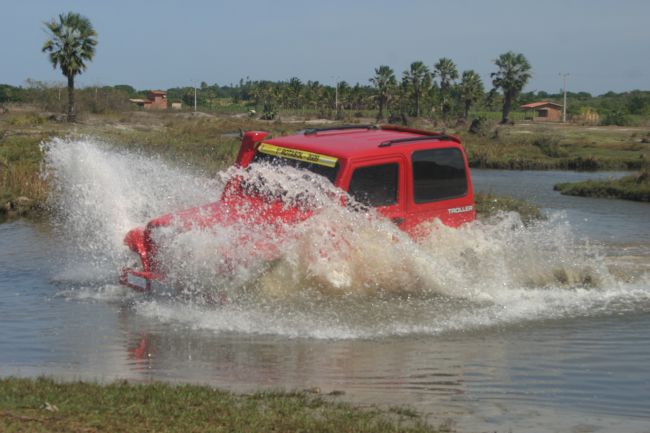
(603,45)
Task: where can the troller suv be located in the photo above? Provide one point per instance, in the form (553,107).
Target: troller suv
(408,175)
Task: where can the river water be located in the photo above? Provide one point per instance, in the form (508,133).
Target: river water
(493,327)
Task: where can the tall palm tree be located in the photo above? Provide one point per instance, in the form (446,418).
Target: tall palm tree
(471,90)
(385,83)
(419,81)
(72,42)
(446,71)
(511,77)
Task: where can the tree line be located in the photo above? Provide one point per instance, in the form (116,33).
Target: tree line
(440,92)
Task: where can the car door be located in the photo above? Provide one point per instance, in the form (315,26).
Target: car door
(440,188)
(379,183)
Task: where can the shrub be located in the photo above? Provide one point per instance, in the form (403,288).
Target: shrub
(549,145)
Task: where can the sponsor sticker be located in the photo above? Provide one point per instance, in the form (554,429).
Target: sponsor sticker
(300,155)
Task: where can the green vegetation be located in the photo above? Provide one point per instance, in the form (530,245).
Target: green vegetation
(385,84)
(511,78)
(424,93)
(44,405)
(71,44)
(209,143)
(22,190)
(447,73)
(634,187)
(557,147)
(471,91)
(204,142)
(488,205)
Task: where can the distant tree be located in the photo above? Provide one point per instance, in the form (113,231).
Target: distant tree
(129,90)
(295,91)
(72,43)
(471,90)
(418,79)
(385,83)
(357,97)
(511,77)
(447,73)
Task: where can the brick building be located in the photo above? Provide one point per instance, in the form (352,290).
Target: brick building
(156,100)
(543,111)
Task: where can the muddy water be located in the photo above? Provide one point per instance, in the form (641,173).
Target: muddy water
(496,326)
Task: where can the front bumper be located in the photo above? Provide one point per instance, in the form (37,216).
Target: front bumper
(139,281)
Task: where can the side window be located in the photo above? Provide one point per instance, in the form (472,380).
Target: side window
(438,174)
(375,185)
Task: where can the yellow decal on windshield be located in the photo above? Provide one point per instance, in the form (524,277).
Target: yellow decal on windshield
(300,155)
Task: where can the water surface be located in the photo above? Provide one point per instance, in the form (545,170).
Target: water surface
(498,327)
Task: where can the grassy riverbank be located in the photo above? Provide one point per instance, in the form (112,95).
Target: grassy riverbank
(209,142)
(44,405)
(559,147)
(635,187)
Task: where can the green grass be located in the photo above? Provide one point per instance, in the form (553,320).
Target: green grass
(558,147)
(634,187)
(488,205)
(45,405)
(22,189)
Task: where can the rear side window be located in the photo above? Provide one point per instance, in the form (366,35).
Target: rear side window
(438,174)
(375,185)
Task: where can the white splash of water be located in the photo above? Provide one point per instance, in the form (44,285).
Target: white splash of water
(99,193)
(340,273)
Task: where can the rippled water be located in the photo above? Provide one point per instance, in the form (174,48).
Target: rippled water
(496,326)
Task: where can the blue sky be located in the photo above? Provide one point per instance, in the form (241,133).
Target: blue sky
(604,45)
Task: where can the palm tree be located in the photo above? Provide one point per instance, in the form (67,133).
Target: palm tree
(418,79)
(446,70)
(72,43)
(385,83)
(512,76)
(471,90)
(295,87)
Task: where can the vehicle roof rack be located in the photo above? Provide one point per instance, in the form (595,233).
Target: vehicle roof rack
(388,143)
(312,131)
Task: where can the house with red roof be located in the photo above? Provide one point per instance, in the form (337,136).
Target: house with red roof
(543,111)
(156,100)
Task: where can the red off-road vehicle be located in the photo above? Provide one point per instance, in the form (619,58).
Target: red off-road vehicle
(409,176)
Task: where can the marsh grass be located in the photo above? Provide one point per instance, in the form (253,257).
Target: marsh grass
(558,147)
(488,205)
(209,143)
(634,187)
(45,405)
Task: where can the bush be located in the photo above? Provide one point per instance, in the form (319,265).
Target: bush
(480,126)
(549,145)
(619,118)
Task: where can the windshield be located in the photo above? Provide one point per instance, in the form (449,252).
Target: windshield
(289,176)
(328,171)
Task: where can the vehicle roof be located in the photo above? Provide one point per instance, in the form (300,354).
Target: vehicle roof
(347,143)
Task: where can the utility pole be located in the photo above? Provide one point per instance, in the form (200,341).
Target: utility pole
(195,98)
(336,96)
(336,100)
(564,75)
